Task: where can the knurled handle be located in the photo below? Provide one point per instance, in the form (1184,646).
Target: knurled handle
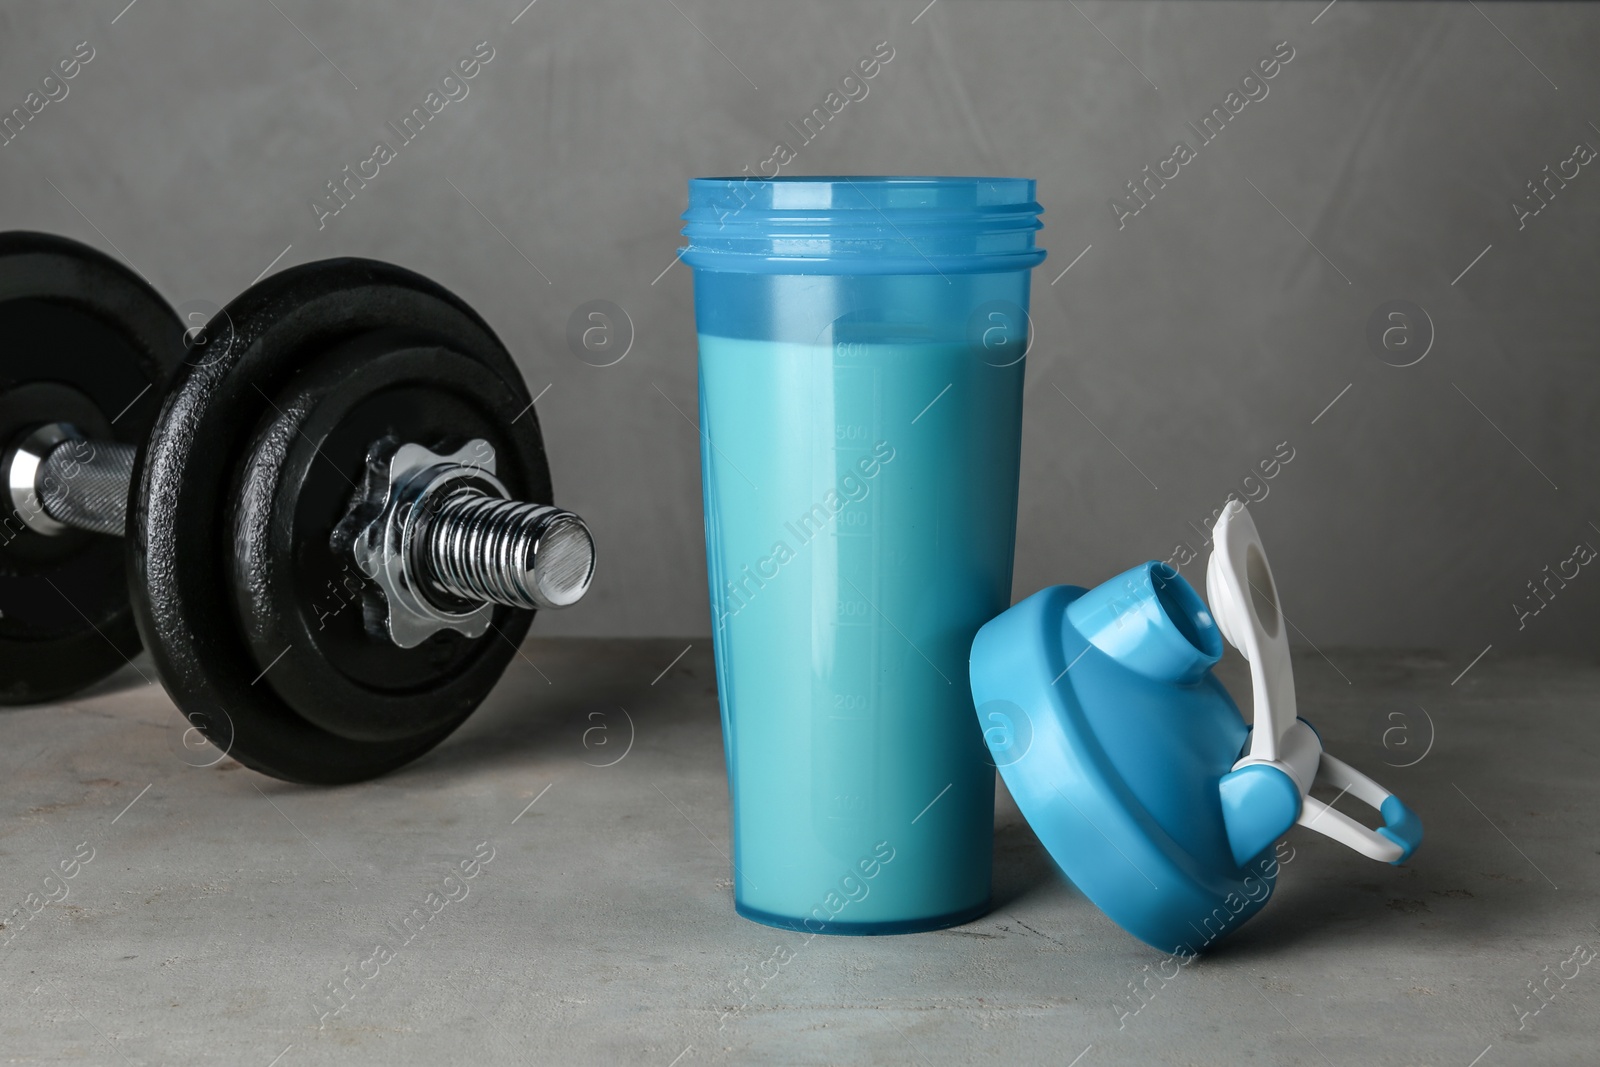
(84,484)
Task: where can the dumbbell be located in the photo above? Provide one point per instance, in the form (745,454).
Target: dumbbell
(333,502)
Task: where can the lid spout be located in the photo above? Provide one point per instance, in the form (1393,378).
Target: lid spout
(1150,620)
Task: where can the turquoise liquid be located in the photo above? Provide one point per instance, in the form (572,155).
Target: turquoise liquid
(860,504)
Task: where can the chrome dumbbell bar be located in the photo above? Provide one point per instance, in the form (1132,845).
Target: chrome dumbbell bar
(439,533)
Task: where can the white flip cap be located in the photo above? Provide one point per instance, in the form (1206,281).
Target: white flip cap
(1244,602)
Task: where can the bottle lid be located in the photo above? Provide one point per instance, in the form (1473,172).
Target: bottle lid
(1132,763)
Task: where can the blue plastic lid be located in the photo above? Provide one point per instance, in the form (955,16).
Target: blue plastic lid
(1133,764)
(1101,712)
(841,224)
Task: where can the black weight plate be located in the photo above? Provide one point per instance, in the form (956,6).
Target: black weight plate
(182,538)
(85,341)
(293,590)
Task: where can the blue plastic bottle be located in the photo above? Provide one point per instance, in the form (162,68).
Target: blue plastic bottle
(861,367)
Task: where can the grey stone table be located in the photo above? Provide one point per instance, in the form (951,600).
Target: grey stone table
(210,912)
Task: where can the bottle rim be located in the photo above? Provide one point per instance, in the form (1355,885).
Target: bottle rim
(866,224)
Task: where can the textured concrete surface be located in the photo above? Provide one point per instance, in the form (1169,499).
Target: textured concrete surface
(1180,351)
(208,909)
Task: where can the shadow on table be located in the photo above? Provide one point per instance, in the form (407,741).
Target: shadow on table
(1022,867)
(1445,893)
(587,703)
(139,673)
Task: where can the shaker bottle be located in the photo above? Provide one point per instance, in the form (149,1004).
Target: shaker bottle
(862,344)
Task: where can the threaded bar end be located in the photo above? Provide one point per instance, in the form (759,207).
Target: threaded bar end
(481,548)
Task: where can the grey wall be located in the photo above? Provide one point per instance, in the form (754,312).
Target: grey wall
(1217,323)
